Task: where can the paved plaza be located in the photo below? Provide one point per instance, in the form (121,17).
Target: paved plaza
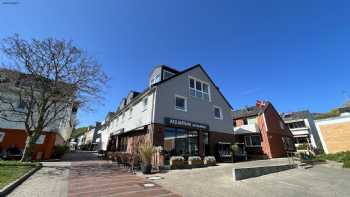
(318,181)
(82,175)
(86,176)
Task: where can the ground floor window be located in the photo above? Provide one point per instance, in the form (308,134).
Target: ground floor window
(122,143)
(180,142)
(252,140)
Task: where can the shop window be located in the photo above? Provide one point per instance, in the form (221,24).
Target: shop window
(180,103)
(180,142)
(123,144)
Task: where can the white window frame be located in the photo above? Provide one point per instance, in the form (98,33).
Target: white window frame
(221,115)
(249,137)
(202,82)
(182,97)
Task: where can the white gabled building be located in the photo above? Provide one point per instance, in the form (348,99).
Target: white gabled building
(182,112)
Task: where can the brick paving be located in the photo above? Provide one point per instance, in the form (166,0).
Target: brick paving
(100,178)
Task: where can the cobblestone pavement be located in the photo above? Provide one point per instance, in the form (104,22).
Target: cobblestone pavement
(105,179)
(82,174)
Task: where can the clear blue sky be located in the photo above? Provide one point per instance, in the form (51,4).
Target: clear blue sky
(293,53)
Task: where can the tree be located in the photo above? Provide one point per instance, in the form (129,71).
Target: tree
(49,78)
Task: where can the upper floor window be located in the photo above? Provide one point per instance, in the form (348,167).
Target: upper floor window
(130,112)
(123,116)
(199,89)
(145,103)
(218,113)
(167,74)
(245,121)
(156,79)
(295,125)
(180,103)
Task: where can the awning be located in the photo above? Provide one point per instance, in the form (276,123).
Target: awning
(120,131)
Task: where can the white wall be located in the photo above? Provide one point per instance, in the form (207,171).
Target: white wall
(63,127)
(140,116)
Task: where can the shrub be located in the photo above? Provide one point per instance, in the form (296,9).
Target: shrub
(302,147)
(146,153)
(59,150)
(346,164)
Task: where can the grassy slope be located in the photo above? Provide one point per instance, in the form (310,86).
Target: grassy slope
(339,157)
(9,173)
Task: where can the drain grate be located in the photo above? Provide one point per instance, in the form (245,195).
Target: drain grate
(155,178)
(149,185)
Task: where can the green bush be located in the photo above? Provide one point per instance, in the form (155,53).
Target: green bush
(346,164)
(302,147)
(339,157)
(59,150)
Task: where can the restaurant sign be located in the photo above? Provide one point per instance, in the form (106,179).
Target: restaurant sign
(185,123)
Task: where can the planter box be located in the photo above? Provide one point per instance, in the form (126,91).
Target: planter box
(195,163)
(177,164)
(209,163)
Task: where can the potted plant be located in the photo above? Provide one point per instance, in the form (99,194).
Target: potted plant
(234,149)
(146,153)
(209,161)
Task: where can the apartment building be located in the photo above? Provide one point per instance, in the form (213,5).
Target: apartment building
(179,113)
(13,133)
(90,140)
(262,131)
(303,127)
(335,132)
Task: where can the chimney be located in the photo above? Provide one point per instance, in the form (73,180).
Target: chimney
(260,104)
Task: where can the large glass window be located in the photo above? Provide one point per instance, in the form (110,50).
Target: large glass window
(180,142)
(199,89)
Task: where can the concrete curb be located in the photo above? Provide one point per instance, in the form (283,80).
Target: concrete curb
(7,189)
(245,173)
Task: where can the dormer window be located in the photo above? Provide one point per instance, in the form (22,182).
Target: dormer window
(167,74)
(156,79)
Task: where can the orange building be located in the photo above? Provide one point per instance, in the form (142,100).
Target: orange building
(44,146)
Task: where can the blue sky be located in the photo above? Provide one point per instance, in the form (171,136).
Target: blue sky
(293,53)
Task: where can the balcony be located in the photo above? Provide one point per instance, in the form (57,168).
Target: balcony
(246,129)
